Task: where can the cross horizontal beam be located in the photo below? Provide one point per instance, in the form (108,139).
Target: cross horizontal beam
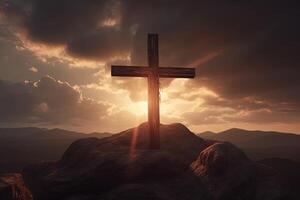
(176,72)
(130,71)
(163,72)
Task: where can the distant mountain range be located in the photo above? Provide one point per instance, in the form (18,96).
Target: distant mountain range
(260,144)
(23,146)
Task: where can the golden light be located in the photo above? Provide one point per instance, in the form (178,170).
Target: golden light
(139,108)
(109,22)
(46,53)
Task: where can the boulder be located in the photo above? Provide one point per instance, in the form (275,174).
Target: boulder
(289,172)
(227,173)
(12,188)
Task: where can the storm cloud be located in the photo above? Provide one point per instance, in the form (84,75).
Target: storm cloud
(48,101)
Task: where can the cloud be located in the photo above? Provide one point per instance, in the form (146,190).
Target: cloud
(246,53)
(264,116)
(47,101)
(101,45)
(206,116)
(55,21)
(81,27)
(33,69)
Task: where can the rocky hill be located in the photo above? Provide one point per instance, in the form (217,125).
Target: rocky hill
(121,167)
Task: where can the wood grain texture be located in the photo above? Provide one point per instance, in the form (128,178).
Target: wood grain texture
(163,72)
(176,72)
(153,92)
(130,71)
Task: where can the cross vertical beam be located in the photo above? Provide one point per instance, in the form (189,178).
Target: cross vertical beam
(153,92)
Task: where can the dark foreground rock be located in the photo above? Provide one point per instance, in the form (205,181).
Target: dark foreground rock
(100,172)
(289,173)
(121,167)
(12,188)
(228,174)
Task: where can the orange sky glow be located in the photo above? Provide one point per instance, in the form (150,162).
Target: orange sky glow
(68,75)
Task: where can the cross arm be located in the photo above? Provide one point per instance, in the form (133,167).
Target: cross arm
(176,72)
(130,71)
(163,72)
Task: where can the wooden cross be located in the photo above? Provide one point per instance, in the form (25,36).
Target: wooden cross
(153,73)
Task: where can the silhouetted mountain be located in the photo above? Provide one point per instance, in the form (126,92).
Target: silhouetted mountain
(22,146)
(260,144)
(122,167)
(207,134)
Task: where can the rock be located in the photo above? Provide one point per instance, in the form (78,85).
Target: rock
(289,172)
(100,172)
(95,166)
(228,174)
(137,192)
(175,139)
(122,167)
(12,188)
(219,159)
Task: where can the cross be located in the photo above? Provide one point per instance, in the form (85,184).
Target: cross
(153,72)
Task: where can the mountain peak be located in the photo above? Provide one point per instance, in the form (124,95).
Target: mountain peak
(173,137)
(233,130)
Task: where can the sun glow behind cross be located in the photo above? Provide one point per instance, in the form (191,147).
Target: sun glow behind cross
(140,108)
(167,108)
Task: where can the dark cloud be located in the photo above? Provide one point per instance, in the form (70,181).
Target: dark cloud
(257,44)
(254,44)
(56,21)
(47,101)
(77,24)
(101,44)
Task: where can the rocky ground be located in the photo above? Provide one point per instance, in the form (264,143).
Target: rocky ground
(121,167)
(12,187)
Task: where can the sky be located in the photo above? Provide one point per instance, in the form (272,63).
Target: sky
(55,58)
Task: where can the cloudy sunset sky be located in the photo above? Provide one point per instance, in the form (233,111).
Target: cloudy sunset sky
(55,58)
